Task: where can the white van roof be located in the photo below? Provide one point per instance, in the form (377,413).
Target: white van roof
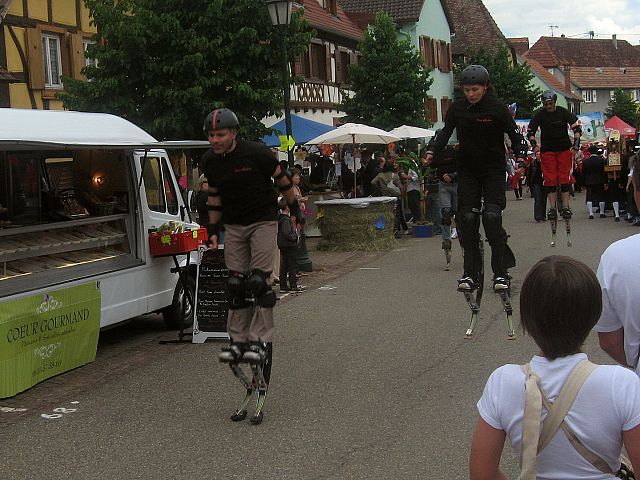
(58,129)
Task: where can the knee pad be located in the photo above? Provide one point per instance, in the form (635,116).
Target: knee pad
(236,290)
(469,217)
(257,283)
(551,189)
(267,299)
(565,187)
(446,216)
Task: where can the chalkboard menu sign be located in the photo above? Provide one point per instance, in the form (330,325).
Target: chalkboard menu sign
(211,296)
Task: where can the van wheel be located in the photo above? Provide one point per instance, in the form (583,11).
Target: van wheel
(171,314)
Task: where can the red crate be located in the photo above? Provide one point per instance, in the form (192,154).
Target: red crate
(161,245)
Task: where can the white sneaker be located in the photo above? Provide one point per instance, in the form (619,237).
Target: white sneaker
(454,233)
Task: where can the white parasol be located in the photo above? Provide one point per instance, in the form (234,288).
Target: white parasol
(407,131)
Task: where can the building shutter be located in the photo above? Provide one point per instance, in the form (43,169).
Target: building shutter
(35,59)
(340,77)
(297,66)
(327,57)
(77,56)
(594,100)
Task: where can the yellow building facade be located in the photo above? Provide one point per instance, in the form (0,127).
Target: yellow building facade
(41,41)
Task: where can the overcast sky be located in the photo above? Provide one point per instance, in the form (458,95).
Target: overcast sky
(574,18)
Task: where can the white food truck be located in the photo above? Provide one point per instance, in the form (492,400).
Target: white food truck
(79,194)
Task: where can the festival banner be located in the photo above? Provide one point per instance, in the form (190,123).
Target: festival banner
(592,127)
(47,334)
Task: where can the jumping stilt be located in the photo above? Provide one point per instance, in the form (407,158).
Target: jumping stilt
(505,298)
(566,215)
(446,247)
(474,299)
(552,215)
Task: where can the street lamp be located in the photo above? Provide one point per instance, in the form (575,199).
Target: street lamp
(280,13)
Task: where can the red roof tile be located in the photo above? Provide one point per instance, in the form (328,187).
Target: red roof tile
(474,27)
(606,77)
(402,11)
(521,44)
(339,24)
(579,52)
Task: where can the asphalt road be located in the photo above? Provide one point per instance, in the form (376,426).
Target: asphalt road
(372,379)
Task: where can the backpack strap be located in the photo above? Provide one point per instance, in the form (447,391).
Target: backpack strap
(530,425)
(555,419)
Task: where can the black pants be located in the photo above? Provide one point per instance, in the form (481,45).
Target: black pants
(399,221)
(413,199)
(288,267)
(472,188)
(539,202)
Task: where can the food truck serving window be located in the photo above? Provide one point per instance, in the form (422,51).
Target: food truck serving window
(159,188)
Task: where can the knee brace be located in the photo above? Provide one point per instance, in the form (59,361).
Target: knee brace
(236,290)
(565,187)
(492,221)
(447,213)
(469,224)
(258,287)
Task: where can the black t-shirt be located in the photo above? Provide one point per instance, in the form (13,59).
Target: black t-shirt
(244,179)
(554,129)
(481,128)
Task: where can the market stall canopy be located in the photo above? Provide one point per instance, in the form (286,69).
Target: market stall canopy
(302,130)
(408,131)
(22,129)
(355,133)
(616,123)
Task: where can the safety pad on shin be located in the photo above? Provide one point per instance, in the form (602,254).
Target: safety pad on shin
(508,258)
(447,214)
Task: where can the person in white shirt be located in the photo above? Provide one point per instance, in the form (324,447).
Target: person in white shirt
(619,325)
(606,411)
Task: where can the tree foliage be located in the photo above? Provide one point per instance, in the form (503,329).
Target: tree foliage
(512,83)
(164,64)
(623,105)
(390,83)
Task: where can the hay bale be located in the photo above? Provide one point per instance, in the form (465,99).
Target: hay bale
(356,224)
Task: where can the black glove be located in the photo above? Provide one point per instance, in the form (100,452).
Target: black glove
(533,143)
(212,229)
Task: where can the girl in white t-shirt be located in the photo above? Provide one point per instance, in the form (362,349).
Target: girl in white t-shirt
(560,302)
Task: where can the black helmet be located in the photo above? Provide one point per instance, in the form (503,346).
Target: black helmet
(474,75)
(220,118)
(549,96)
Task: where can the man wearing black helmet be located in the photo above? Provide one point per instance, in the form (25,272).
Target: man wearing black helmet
(557,150)
(481,122)
(242,195)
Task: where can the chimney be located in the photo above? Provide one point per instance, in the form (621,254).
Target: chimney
(614,39)
(567,78)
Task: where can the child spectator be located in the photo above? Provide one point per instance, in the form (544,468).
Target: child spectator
(606,410)
(288,246)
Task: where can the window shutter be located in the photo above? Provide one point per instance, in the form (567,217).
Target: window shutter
(35,59)
(77,56)
(327,57)
(422,50)
(340,77)
(444,106)
(432,52)
(448,56)
(297,67)
(594,96)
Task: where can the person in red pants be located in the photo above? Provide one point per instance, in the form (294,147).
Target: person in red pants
(557,150)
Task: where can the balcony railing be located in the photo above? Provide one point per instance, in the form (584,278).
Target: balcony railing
(317,94)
